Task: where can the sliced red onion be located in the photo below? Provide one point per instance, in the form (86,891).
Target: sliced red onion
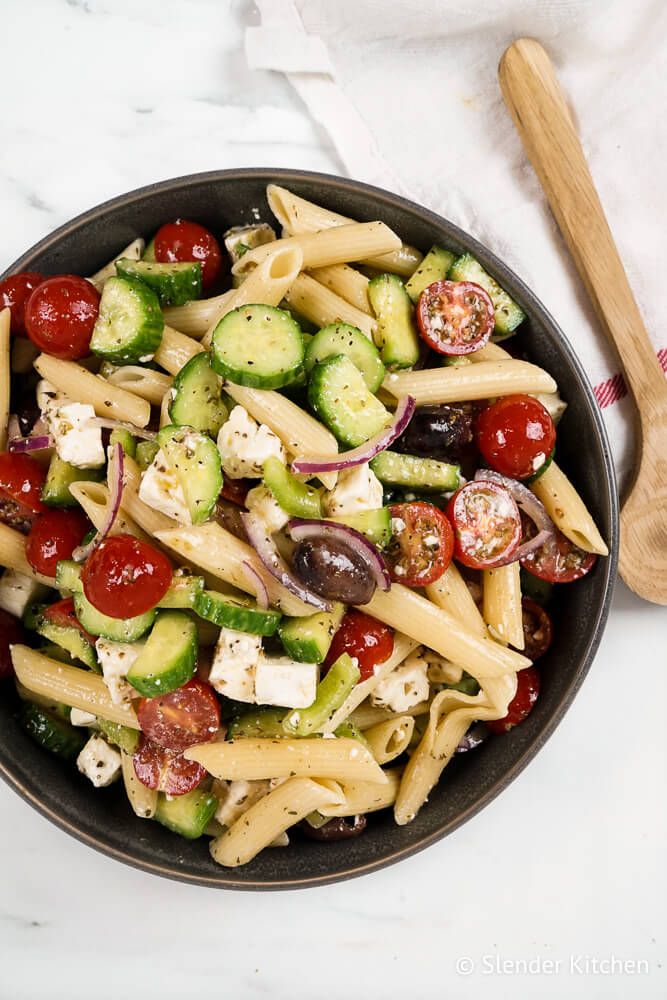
(257,584)
(113,425)
(271,558)
(37,443)
(531,506)
(315,464)
(301,528)
(116,468)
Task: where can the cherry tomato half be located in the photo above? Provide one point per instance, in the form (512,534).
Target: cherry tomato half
(178,720)
(125,576)
(516,435)
(421,545)
(556,562)
(14,293)
(521,705)
(54,536)
(60,315)
(11,631)
(537,628)
(362,636)
(21,480)
(236,490)
(183,240)
(486,523)
(165,770)
(62,613)
(455,317)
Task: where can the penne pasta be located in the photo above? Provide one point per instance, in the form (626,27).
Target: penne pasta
(81,385)
(321,306)
(12,554)
(143,382)
(502,604)
(468,382)
(367,714)
(94,499)
(132,251)
(361,797)
(142,799)
(195,317)
(451,593)
(388,740)
(491,352)
(175,350)
(346,282)
(568,511)
(5,374)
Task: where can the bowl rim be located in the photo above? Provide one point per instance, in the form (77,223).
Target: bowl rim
(285,176)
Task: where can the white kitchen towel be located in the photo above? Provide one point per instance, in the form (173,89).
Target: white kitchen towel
(408,93)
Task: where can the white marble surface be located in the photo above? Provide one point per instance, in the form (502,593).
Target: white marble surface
(101,96)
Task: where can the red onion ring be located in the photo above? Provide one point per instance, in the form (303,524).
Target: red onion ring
(272,560)
(257,584)
(315,464)
(116,468)
(301,528)
(22,445)
(531,506)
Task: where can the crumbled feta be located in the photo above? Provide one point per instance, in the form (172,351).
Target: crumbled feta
(261,501)
(357,489)
(77,441)
(17,591)
(99,762)
(48,398)
(280,680)
(236,797)
(234,663)
(79,718)
(116,658)
(404,687)
(244,445)
(161,490)
(440,670)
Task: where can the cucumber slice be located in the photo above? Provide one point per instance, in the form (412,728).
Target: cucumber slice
(146,452)
(174,284)
(263,722)
(68,576)
(126,440)
(118,629)
(196,462)
(52,733)
(187,814)
(508,314)
(308,639)
(374,524)
(195,397)
(422,473)
(71,640)
(124,737)
(396,334)
(183,591)
(129,324)
(434,267)
(293,496)
(169,656)
(341,338)
(339,396)
(258,346)
(149,252)
(236,613)
(59,478)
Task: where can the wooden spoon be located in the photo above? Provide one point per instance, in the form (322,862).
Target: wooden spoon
(540,112)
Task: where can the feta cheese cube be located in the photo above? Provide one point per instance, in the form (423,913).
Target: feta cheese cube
(17,591)
(357,489)
(77,441)
(234,663)
(261,501)
(161,490)
(280,680)
(80,718)
(404,687)
(99,762)
(244,445)
(236,797)
(116,658)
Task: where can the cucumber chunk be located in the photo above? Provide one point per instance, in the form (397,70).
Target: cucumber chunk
(68,576)
(169,656)
(396,334)
(149,252)
(258,346)
(174,284)
(187,814)
(508,314)
(183,591)
(195,397)
(308,639)
(332,691)
(124,737)
(70,639)
(374,524)
(129,324)
(196,463)
(340,398)
(52,733)
(341,338)
(118,629)
(262,722)
(59,478)
(236,613)
(295,497)
(434,267)
(146,452)
(125,439)
(421,473)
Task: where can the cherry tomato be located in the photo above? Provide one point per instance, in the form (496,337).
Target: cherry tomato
(455,317)
(165,770)
(54,536)
(62,613)
(183,240)
(362,636)
(236,490)
(486,523)
(537,628)
(521,705)
(421,545)
(14,293)
(516,435)
(178,720)
(557,562)
(11,631)
(60,315)
(124,576)
(21,480)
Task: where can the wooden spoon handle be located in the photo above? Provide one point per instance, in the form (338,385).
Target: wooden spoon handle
(539,109)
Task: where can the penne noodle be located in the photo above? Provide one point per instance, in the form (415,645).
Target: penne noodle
(94,499)
(451,593)
(502,604)
(491,352)
(321,306)
(568,511)
(365,796)
(175,350)
(142,799)
(388,740)
(69,685)
(367,715)
(165,419)
(144,382)
(12,554)
(466,382)
(133,251)
(344,281)
(5,374)
(195,317)
(81,385)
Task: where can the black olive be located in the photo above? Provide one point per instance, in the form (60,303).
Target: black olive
(228,515)
(338,828)
(442,432)
(334,570)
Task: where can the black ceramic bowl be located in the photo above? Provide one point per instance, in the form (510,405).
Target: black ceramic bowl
(103,819)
